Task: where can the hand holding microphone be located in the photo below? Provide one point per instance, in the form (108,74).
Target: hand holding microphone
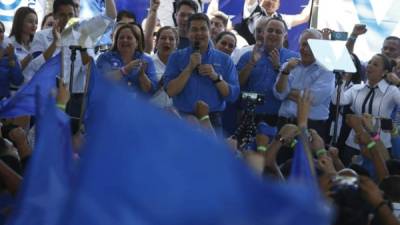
(195,57)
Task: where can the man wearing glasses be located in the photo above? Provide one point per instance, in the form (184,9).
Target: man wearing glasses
(259,68)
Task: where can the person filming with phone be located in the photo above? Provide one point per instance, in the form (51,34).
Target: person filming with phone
(200,72)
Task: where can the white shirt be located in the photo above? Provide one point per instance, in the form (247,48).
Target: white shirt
(385,99)
(40,43)
(160,98)
(20,51)
(239,52)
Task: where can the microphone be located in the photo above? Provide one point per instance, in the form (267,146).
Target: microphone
(76,47)
(196,48)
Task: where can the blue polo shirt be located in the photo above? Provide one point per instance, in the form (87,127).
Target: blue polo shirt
(111,61)
(200,87)
(262,79)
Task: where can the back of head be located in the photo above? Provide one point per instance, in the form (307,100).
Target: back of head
(391,187)
(393,166)
(126,14)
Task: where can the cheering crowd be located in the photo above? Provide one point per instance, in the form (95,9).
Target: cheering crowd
(239,83)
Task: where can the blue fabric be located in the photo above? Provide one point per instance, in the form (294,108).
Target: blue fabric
(9,75)
(23,102)
(200,87)
(321,84)
(155,169)
(111,61)
(262,79)
(48,177)
(302,170)
(395,153)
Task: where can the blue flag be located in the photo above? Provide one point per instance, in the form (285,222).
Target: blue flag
(23,102)
(142,166)
(302,170)
(48,177)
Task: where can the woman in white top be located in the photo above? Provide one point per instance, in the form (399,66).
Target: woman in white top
(166,42)
(22,32)
(376,97)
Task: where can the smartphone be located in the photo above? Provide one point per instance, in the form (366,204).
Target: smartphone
(339,36)
(386,124)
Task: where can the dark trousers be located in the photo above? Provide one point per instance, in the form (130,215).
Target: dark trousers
(73,109)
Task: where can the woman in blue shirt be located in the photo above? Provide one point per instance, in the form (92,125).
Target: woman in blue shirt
(10,70)
(127,62)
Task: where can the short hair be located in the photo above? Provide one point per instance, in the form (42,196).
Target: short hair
(199,16)
(164,28)
(190,3)
(221,16)
(58,3)
(387,63)
(45,19)
(393,38)
(279,19)
(314,32)
(139,40)
(222,34)
(391,187)
(125,13)
(18,22)
(2,26)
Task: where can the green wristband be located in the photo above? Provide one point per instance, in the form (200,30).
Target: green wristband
(371,145)
(320,152)
(204,118)
(293,144)
(262,148)
(61,106)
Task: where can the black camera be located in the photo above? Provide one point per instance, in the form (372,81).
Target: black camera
(256,98)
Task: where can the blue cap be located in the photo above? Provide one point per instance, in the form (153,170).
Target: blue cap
(264,128)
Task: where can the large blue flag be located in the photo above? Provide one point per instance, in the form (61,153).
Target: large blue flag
(142,166)
(23,102)
(302,170)
(48,177)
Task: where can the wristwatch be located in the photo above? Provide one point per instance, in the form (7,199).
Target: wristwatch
(219,79)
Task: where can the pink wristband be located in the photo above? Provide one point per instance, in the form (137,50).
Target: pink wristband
(377,137)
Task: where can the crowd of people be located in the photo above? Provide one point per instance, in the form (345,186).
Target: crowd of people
(197,71)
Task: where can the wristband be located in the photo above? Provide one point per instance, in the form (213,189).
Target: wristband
(371,145)
(262,148)
(320,152)
(61,106)
(204,118)
(352,38)
(293,144)
(395,131)
(376,137)
(380,206)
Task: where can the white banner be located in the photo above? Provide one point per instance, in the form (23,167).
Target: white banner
(382,18)
(9,7)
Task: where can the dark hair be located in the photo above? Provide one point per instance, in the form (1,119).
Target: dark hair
(179,3)
(18,23)
(199,16)
(393,38)
(164,28)
(391,187)
(45,19)
(393,166)
(2,26)
(222,34)
(134,32)
(387,64)
(58,3)
(125,13)
(279,19)
(356,77)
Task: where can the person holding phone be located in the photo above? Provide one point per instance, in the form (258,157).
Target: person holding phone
(375,97)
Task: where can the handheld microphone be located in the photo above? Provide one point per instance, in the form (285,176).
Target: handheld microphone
(196,48)
(76,48)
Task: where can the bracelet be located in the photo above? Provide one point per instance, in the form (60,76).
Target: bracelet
(123,70)
(262,148)
(380,206)
(61,106)
(204,118)
(376,137)
(352,38)
(293,144)
(371,145)
(320,152)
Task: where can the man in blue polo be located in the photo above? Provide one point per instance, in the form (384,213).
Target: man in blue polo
(259,68)
(201,72)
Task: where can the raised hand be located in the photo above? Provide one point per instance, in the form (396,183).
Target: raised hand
(275,58)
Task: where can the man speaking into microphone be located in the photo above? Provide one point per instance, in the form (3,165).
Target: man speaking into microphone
(201,72)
